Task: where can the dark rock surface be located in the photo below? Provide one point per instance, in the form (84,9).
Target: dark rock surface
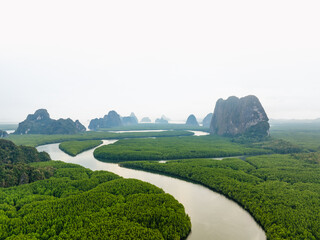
(41,123)
(192,121)
(244,116)
(112,119)
(207,120)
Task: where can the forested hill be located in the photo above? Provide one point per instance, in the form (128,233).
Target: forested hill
(14,168)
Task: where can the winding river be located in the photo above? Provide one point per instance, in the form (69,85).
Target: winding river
(212,215)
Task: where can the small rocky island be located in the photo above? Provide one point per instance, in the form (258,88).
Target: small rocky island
(130,120)
(41,123)
(146,120)
(192,121)
(161,120)
(240,116)
(207,120)
(112,119)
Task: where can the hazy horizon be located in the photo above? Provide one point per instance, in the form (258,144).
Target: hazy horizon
(81,59)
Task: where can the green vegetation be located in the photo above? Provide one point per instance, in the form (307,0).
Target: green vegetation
(40,139)
(185,147)
(281,192)
(156,126)
(73,148)
(66,201)
(14,168)
(273,144)
(77,203)
(306,135)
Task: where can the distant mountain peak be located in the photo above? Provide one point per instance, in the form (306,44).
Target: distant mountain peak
(41,123)
(192,121)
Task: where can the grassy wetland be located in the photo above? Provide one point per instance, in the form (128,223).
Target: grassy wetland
(306,135)
(187,147)
(73,148)
(41,139)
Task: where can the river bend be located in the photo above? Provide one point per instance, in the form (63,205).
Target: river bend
(213,216)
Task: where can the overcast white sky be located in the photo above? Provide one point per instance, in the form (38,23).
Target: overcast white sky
(80,59)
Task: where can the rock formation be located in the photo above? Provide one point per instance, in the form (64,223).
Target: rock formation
(165,118)
(3,134)
(112,119)
(146,120)
(192,121)
(244,116)
(41,123)
(130,120)
(134,116)
(162,120)
(207,120)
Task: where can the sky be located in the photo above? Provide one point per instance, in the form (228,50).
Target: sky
(81,59)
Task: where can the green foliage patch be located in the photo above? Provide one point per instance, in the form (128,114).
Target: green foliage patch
(41,139)
(275,145)
(14,168)
(73,148)
(281,192)
(306,135)
(173,148)
(77,203)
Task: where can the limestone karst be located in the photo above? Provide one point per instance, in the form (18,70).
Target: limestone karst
(239,116)
(41,123)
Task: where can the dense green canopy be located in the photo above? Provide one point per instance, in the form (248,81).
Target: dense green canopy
(77,203)
(281,192)
(14,168)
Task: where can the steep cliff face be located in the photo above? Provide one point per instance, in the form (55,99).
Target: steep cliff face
(41,123)
(192,121)
(244,116)
(79,126)
(112,119)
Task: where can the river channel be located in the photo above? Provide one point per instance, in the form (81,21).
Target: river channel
(213,216)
